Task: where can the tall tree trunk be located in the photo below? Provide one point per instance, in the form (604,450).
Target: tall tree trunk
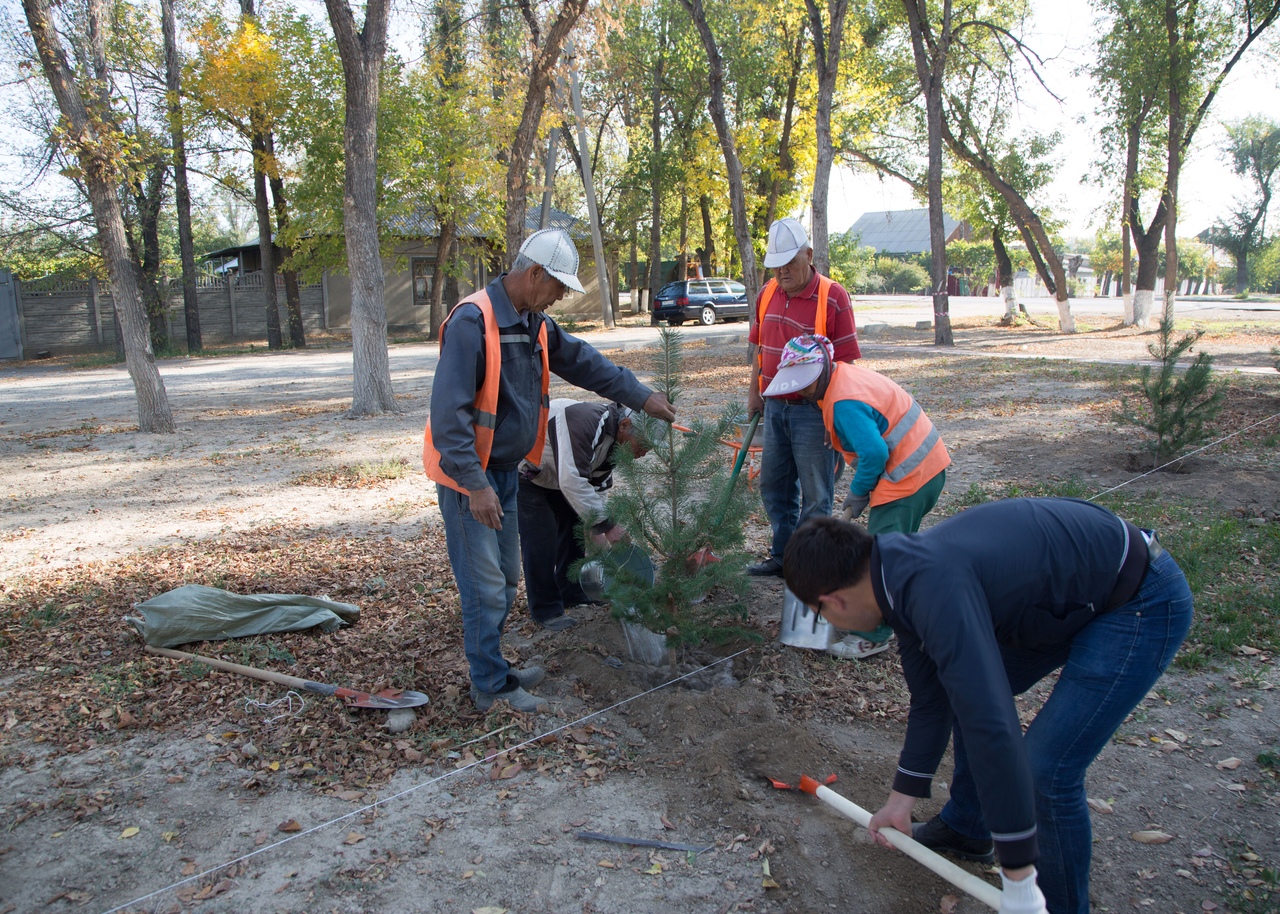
(732,165)
(148,196)
(655,176)
(708,236)
(930,55)
(292,293)
(682,253)
(1047,262)
(1133,141)
(181,192)
(89,138)
(1004,277)
(266,252)
(786,161)
(1177,118)
(444,251)
(827,59)
(535,100)
(262,206)
(362,53)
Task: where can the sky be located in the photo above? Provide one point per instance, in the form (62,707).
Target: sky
(1063,34)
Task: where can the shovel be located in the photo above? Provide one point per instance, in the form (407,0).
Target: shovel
(980,889)
(386,700)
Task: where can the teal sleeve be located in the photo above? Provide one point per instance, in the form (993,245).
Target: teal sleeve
(861,429)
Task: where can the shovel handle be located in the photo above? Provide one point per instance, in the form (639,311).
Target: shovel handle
(292,682)
(980,889)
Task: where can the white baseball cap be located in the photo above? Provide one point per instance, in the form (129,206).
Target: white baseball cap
(803,359)
(786,238)
(555,252)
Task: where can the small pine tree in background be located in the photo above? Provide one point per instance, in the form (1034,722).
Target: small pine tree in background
(1179,405)
(681,506)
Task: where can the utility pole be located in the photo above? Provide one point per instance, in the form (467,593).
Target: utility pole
(602,269)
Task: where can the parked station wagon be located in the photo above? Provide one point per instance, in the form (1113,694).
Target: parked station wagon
(705,300)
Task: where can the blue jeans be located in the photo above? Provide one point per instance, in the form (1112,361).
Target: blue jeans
(486,567)
(1110,666)
(797,468)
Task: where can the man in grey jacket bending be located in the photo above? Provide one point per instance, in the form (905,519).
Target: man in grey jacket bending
(566,489)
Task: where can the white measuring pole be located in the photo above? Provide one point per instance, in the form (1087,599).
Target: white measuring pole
(980,889)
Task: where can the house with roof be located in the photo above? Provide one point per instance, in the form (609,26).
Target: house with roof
(409,272)
(903,232)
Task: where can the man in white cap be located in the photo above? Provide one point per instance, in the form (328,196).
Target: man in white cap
(489,407)
(798,466)
(902,462)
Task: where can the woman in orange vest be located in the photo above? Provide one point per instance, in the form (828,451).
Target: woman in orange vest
(489,400)
(901,460)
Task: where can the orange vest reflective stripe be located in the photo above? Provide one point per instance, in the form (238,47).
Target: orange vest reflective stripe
(486,401)
(916,452)
(819,317)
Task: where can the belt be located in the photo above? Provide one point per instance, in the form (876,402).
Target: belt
(1144,548)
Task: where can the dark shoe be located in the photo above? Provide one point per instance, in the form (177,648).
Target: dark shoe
(518,698)
(557,623)
(939,836)
(769,568)
(529,677)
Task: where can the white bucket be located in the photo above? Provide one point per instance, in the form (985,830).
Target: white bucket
(802,627)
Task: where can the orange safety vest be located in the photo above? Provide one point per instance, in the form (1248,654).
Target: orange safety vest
(819,319)
(916,452)
(486,402)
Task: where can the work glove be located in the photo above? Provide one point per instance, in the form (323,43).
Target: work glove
(854,505)
(1022,897)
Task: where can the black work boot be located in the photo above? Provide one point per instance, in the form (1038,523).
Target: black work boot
(939,836)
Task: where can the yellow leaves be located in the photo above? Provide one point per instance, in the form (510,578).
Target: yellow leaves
(767,881)
(1151,836)
(130,832)
(238,75)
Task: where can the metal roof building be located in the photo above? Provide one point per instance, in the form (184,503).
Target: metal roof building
(902,231)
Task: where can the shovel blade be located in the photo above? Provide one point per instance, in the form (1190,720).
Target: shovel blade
(386,700)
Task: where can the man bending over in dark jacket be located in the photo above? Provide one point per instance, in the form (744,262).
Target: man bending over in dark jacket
(985,605)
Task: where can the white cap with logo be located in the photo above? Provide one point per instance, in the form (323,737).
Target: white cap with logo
(786,239)
(555,252)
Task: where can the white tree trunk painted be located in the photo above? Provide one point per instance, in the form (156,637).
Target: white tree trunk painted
(1066,320)
(1128,309)
(1010,303)
(1143,300)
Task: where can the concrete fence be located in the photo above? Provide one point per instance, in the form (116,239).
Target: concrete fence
(59,316)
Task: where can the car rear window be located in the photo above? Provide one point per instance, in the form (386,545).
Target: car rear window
(670,290)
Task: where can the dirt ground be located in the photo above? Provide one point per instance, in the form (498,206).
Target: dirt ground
(128,782)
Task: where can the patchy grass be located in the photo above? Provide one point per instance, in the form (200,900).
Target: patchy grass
(361,476)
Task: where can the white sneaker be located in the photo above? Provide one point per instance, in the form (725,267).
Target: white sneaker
(851,647)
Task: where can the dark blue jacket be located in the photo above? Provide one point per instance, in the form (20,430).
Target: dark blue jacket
(1026,573)
(460,372)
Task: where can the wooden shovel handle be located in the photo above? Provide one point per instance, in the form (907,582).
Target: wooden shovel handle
(292,681)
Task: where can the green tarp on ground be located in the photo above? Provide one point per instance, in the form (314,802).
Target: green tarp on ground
(198,613)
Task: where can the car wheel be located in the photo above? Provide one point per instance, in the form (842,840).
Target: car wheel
(708,315)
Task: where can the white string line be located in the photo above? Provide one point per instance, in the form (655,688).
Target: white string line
(385,800)
(1185,456)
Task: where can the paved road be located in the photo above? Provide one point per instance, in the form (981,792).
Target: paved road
(34,396)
